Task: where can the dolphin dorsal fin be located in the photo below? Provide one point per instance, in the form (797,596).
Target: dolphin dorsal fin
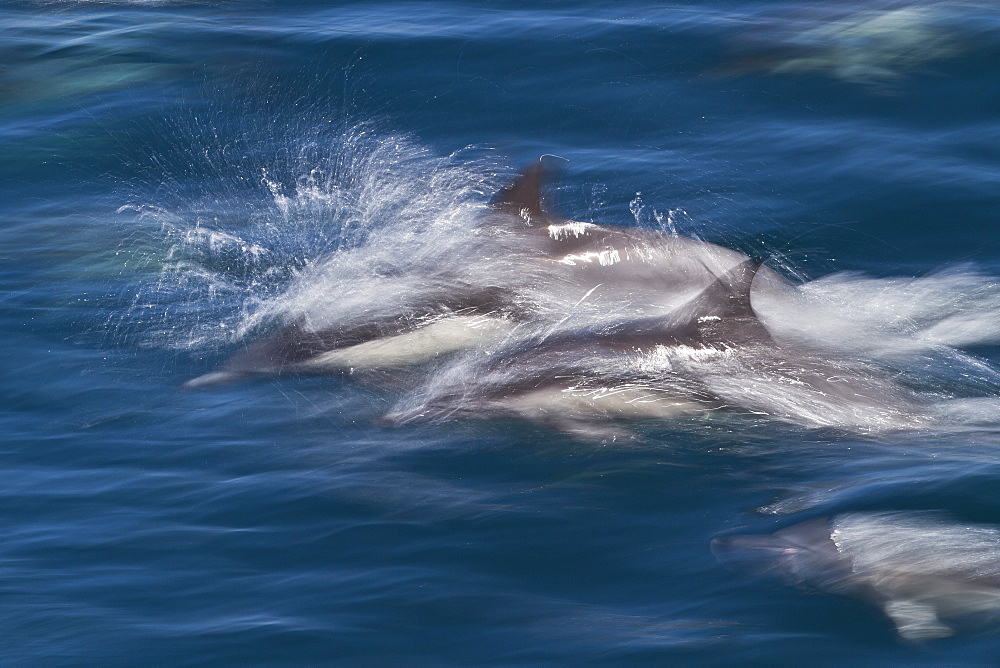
(722,312)
(729,295)
(523,197)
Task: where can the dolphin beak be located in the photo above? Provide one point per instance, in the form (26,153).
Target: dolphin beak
(765,556)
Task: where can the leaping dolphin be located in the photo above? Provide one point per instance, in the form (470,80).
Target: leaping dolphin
(932,578)
(520,267)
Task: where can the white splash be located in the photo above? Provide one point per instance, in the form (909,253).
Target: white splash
(573,228)
(604,258)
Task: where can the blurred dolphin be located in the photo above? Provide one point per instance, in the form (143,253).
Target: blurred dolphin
(872,46)
(709,354)
(931,577)
(520,268)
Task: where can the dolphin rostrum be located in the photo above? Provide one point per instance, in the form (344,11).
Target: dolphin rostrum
(931,577)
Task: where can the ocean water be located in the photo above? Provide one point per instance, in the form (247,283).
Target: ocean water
(178,176)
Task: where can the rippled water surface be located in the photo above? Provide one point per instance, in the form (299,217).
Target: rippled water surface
(178,177)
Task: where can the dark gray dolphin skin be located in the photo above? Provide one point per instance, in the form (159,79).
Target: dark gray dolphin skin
(520,267)
(710,353)
(930,576)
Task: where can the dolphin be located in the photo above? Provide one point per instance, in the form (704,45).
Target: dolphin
(712,353)
(520,268)
(869,47)
(931,577)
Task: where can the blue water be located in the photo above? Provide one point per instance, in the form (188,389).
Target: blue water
(173,169)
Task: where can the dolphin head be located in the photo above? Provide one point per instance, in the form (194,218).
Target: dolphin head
(803,555)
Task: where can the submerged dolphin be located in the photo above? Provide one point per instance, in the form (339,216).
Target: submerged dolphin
(870,47)
(709,354)
(519,267)
(932,578)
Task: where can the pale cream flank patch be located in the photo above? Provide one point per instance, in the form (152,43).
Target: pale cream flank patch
(621,402)
(442,336)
